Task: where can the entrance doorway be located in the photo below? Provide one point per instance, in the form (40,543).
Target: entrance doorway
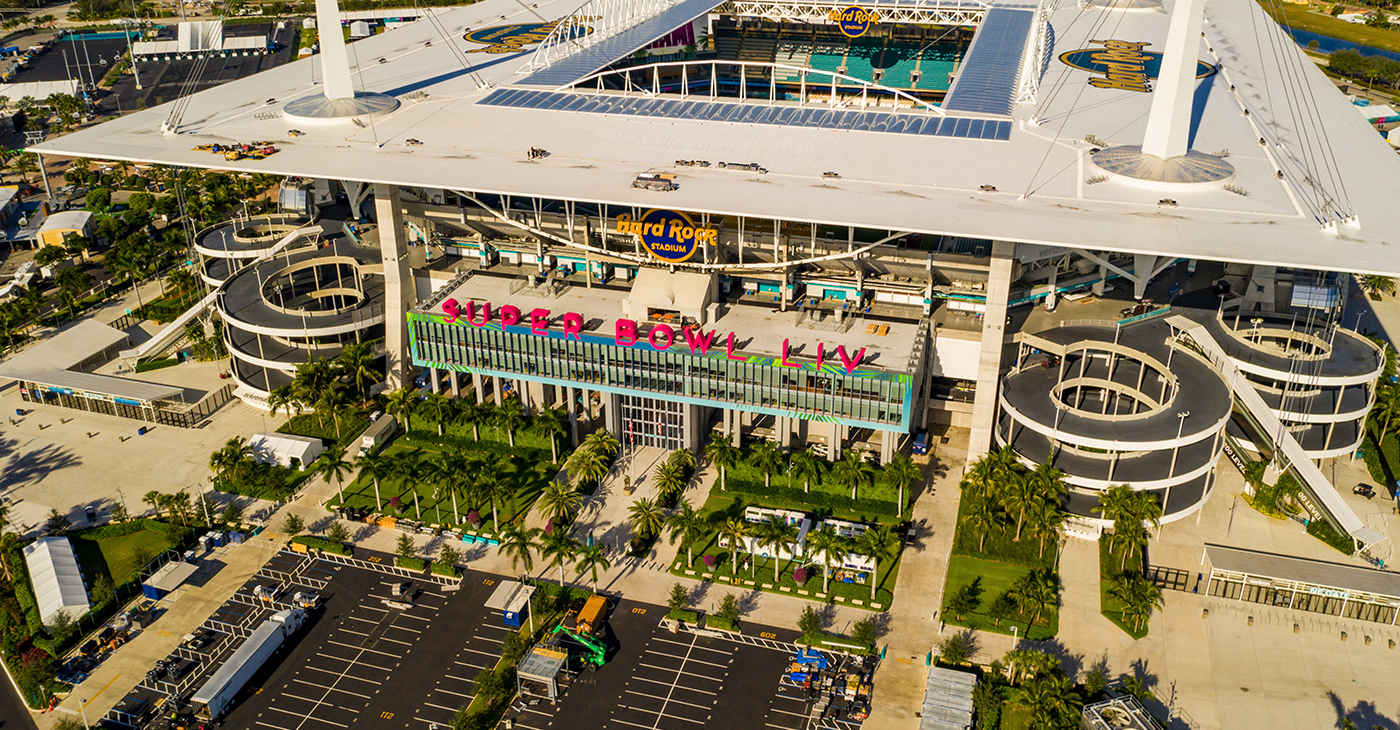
(653,422)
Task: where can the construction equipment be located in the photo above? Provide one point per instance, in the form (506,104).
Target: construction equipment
(593,650)
(236,151)
(590,617)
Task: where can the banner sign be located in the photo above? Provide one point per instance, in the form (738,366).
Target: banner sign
(667,235)
(854,21)
(660,337)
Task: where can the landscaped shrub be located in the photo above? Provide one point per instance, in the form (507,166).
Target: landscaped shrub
(799,576)
(446,569)
(146,367)
(321,543)
(412,563)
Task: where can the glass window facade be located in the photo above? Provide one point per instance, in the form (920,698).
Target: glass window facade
(873,399)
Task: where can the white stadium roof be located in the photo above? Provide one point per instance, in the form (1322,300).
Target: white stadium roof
(58,582)
(1047,187)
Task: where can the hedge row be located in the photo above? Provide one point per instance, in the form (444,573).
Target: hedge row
(320,543)
(24,592)
(412,563)
(146,367)
(1324,532)
(446,569)
(798,498)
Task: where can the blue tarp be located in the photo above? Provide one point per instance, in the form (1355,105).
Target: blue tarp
(810,656)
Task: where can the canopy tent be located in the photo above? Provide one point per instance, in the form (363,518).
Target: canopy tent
(58,583)
(284,449)
(71,348)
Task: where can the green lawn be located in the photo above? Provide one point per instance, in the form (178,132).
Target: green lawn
(760,572)
(531,476)
(116,556)
(327,429)
(996,577)
(744,477)
(1299,17)
(528,444)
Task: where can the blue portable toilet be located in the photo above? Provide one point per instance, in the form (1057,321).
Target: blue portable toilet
(236,538)
(217,539)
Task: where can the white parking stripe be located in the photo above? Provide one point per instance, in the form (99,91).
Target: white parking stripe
(703,648)
(668,684)
(484,653)
(347,676)
(450,692)
(366,620)
(357,633)
(307,717)
(333,689)
(362,648)
(677,671)
(633,724)
(395,641)
(696,661)
(440,707)
(274,727)
(663,699)
(473,666)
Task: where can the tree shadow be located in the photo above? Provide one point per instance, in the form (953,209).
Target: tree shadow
(1071,663)
(699,591)
(1363,715)
(34,466)
(827,614)
(748,601)
(321,524)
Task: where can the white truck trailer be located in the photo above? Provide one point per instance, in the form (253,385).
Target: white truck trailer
(215,698)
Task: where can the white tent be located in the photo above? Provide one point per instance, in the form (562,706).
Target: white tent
(58,583)
(283,449)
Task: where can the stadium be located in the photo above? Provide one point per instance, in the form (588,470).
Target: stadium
(834,226)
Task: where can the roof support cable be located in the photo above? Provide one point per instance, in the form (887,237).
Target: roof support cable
(1030,183)
(446,37)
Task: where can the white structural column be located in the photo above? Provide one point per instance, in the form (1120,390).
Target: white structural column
(984,403)
(1169,123)
(335,62)
(456,379)
(479,387)
(400,292)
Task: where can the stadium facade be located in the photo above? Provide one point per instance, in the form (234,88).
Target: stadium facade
(814,222)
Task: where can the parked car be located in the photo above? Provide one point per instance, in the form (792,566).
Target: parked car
(1364,490)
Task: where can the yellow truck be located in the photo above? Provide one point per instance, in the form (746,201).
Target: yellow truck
(590,617)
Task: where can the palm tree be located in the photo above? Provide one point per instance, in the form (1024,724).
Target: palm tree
(558,548)
(722,454)
(593,559)
(853,472)
(876,543)
(683,458)
(807,467)
(519,543)
(356,361)
(689,526)
(509,418)
(1138,596)
(1035,591)
(1019,495)
(833,548)
(550,424)
(1046,698)
(438,406)
(602,443)
(767,457)
(778,535)
(495,489)
(409,466)
(155,500)
(980,517)
(1116,504)
(1044,520)
(182,281)
(670,478)
(903,473)
(647,517)
(734,534)
(1375,285)
(586,465)
(227,462)
(400,404)
(376,465)
(559,502)
(333,467)
(467,412)
(282,399)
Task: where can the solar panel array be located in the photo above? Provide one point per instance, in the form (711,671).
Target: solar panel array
(705,110)
(987,81)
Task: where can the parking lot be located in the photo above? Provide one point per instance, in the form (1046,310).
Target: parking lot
(362,662)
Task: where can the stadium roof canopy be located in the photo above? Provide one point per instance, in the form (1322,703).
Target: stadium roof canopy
(1302,156)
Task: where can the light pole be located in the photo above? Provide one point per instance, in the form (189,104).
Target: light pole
(1180,425)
